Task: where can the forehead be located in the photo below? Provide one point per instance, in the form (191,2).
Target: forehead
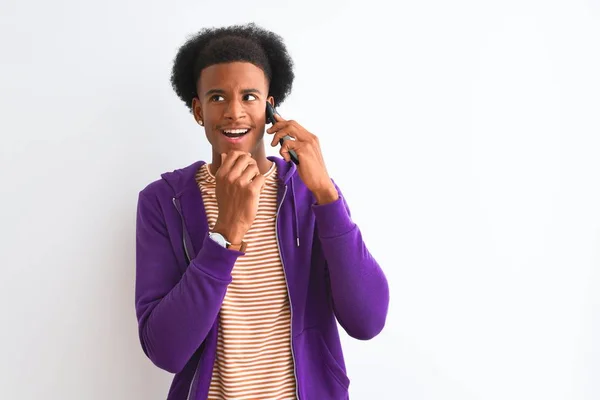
(232,76)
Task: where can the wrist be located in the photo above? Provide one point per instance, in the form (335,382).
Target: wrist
(233,234)
(220,239)
(326,195)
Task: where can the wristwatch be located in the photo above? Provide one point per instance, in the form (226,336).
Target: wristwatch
(220,239)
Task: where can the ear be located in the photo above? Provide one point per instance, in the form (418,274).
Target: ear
(271,100)
(197,110)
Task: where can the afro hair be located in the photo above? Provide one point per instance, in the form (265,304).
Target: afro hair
(248,43)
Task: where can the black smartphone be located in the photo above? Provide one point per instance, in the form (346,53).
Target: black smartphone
(271,118)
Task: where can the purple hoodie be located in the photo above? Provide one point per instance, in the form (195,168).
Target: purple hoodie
(182,276)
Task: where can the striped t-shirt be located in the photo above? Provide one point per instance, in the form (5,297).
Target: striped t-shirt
(254,359)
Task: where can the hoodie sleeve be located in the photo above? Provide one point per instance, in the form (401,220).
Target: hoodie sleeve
(175,311)
(359,287)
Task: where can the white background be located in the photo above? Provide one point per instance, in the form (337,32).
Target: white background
(464,134)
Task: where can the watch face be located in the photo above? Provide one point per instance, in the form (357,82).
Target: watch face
(217,237)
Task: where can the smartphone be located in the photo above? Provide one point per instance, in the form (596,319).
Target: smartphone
(271,118)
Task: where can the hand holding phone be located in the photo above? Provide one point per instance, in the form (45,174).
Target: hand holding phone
(271,118)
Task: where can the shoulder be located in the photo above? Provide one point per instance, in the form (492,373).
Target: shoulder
(172,183)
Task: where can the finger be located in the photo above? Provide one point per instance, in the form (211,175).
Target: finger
(222,170)
(285,154)
(277,126)
(285,149)
(249,175)
(285,135)
(257,184)
(227,161)
(243,162)
(283,139)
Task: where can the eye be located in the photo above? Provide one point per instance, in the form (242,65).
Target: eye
(217,97)
(250,97)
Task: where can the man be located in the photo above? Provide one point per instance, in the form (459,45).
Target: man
(245,264)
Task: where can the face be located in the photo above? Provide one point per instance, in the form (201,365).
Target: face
(231,102)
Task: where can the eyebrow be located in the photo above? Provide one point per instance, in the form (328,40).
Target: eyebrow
(221,91)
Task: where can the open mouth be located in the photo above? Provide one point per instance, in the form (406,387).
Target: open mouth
(235,133)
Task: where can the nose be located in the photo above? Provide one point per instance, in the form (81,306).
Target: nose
(234,110)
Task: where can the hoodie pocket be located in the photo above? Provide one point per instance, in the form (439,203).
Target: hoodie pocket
(320,375)
(332,365)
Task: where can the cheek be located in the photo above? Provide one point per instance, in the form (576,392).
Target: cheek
(212,135)
(258,111)
(213,111)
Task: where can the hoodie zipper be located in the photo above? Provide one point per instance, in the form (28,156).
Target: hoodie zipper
(189,396)
(185,248)
(288,290)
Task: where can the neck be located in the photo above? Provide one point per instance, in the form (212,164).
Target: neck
(263,163)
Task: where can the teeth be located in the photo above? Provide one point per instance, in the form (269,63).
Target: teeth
(235,131)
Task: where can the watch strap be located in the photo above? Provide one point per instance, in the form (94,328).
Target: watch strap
(219,238)
(238,247)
